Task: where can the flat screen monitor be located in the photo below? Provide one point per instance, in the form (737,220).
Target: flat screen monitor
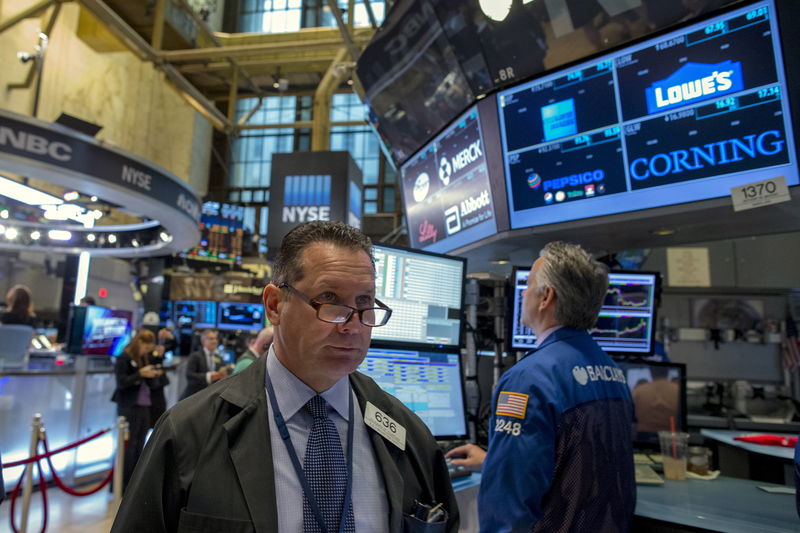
(221,234)
(243,316)
(520,337)
(426,294)
(427,382)
(659,393)
(446,190)
(165,313)
(195,314)
(626,323)
(96,330)
(687,116)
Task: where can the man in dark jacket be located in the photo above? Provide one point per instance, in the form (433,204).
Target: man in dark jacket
(205,366)
(299,430)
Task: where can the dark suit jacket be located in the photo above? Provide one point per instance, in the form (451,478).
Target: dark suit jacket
(208,464)
(196,368)
(128,382)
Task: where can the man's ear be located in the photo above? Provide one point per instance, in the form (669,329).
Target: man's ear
(272,303)
(548,298)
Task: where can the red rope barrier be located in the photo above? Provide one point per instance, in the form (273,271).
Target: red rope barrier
(57,480)
(69,490)
(58,450)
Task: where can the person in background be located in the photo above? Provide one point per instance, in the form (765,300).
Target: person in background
(257,345)
(132,395)
(205,366)
(87,300)
(560,454)
(273,448)
(167,339)
(158,400)
(20,307)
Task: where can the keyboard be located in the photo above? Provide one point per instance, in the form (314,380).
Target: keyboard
(457,471)
(645,475)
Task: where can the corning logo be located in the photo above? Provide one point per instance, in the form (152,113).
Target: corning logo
(306,198)
(694,82)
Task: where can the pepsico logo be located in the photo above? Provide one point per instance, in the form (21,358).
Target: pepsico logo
(534,181)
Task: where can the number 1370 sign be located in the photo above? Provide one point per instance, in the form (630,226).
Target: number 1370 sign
(760,193)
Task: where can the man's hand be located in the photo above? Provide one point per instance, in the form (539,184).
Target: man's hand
(469,456)
(218,375)
(148,372)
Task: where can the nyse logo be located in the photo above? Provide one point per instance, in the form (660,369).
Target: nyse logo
(694,82)
(140,179)
(452,220)
(306,198)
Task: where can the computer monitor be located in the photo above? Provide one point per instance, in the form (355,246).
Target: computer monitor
(195,314)
(425,291)
(240,316)
(659,395)
(427,382)
(626,323)
(520,337)
(96,330)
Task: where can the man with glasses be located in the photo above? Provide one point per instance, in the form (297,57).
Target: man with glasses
(299,441)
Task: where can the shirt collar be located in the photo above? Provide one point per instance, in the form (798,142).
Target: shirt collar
(292,394)
(546,333)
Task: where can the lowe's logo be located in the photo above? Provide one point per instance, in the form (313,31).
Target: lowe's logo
(306,198)
(694,82)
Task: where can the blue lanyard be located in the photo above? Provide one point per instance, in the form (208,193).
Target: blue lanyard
(298,469)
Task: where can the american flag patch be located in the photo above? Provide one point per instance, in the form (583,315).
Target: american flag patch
(511,404)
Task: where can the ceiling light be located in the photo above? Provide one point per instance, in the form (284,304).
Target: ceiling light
(11,234)
(4,213)
(165,236)
(2,229)
(35,235)
(663,232)
(71,196)
(91,237)
(59,235)
(500,261)
(27,195)
(112,238)
(93,198)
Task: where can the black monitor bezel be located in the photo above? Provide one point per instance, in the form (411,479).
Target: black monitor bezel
(512,282)
(448,351)
(221,327)
(422,345)
(646,439)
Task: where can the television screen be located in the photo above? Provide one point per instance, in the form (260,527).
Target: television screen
(683,117)
(520,337)
(165,313)
(427,382)
(446,190)
(626,323)
(195,314)
(221,234)
(244,316)
(659,393)
(96,330)
(425,291)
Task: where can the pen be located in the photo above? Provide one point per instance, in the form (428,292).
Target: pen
(435,513)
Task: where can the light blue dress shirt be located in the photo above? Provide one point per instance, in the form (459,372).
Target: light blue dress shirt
(370,505)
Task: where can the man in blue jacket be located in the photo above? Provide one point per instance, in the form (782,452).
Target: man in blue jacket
(560,452)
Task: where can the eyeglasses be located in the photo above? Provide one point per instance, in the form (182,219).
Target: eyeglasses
(340,314)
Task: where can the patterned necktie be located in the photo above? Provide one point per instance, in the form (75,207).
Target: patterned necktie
(326,471)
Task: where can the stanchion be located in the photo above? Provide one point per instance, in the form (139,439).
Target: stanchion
(119,460)
(27,488)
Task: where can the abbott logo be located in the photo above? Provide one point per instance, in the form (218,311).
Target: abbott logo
(306,198)
(452,220)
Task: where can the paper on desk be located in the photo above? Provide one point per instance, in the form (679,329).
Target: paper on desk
(712,474)
(778,490)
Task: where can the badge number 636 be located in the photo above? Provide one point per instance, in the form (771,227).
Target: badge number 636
(385,422)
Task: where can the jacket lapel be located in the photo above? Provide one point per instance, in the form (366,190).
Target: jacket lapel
(392,480)
(248,435)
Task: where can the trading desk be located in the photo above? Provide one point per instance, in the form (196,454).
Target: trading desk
(752,461)
(724,504)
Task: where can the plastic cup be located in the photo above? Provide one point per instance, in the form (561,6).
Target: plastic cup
(673,454)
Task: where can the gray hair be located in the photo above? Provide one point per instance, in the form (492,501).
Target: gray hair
(288,266)
(579,281)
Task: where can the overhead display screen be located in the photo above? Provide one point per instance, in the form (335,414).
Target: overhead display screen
(446,191)
(626,322)
(681,118)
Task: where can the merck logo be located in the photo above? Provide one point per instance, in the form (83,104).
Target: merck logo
(694,82)
(306,198)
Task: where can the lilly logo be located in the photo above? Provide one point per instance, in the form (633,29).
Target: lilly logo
(694,82)
(580,374)
(421,187)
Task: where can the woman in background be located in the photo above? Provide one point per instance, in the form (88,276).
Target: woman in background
(132,395)
(158,401)
(20,307)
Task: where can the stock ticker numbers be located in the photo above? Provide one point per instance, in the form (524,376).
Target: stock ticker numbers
(671,115)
